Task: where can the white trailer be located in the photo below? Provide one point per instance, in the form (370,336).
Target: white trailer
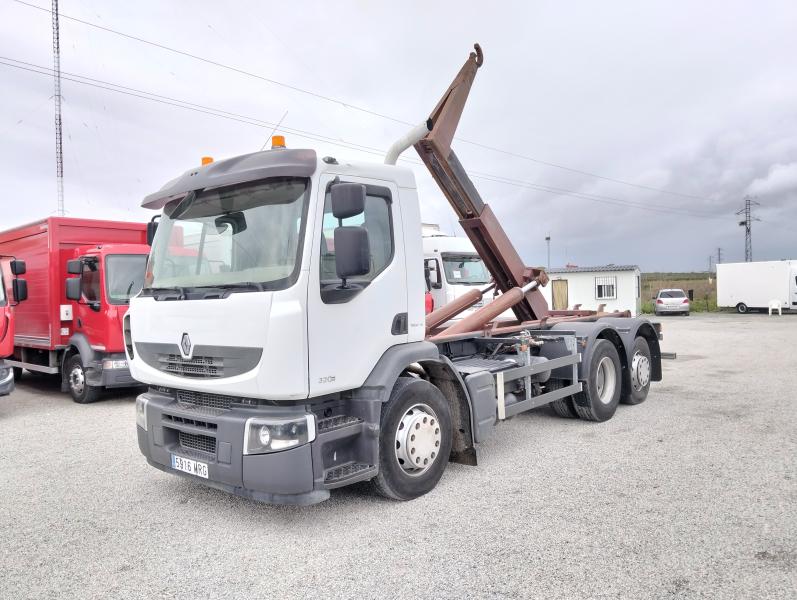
(753,285)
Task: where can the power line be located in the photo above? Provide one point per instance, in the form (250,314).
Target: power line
(354,106)
(144,95)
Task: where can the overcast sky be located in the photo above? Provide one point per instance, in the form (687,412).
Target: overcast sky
(696,100)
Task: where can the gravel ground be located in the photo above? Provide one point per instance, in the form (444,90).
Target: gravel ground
(690,495)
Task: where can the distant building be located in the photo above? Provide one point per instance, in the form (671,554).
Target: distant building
(616,286)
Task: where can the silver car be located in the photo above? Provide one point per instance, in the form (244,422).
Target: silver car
(668,302)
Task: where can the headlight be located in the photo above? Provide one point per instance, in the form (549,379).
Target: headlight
(262,435)
(114,364)
(141,412)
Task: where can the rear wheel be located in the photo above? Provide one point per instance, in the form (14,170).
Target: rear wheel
(601,394)
(741,308)
(79,387)
(415,440)
(564,406)
(640,373)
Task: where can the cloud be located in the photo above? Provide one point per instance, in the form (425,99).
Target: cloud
(781,180)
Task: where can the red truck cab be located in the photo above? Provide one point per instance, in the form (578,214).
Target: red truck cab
(13,290)
(106,277)
(81,274)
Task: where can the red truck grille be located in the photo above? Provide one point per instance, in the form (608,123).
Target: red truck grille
(198,366)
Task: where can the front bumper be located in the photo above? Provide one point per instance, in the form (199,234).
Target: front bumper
(6,381)
(110,377)
(300,475)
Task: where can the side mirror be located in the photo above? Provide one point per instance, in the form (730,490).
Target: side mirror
(347,200)
(352,253)
(432,266)
(19,289)
(74,267)
(18,267)
(152,228)
(73,288)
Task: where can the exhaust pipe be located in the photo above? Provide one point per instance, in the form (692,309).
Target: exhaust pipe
(412,137)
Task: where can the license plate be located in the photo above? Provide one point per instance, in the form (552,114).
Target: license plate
(192,467)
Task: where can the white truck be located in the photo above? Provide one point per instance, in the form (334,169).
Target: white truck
(302,361)
(750,286)
(452,268)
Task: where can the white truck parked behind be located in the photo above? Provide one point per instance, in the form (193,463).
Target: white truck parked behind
(303,362)
(753,285)
(452,268)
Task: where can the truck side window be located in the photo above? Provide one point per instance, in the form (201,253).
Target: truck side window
(377,221)
(90,282)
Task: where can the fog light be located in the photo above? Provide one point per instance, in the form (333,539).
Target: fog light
(114,364)
(263,435)
(141,411)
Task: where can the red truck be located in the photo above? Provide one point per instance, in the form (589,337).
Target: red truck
(13,290)
(81,274)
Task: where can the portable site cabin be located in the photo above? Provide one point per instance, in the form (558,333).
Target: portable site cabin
(616,286)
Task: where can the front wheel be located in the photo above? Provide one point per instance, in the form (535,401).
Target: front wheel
(17,373)
(601,394)
(741,308)
(414,441)
(79,387)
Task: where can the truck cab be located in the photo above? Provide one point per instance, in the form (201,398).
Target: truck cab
(13,290)
(103,280)
(452,268)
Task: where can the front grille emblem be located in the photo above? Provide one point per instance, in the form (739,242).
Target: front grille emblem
(185,346)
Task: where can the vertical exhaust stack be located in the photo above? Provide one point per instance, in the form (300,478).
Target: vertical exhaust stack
(477,219)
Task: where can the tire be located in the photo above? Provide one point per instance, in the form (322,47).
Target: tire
(564,406)
(17,373)
(598,402)
(79,389)
(414,405)
(639,372)
(742,308)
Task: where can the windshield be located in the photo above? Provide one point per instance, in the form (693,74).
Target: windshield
(243,234)
(465,269)
(124,276)
(672,294)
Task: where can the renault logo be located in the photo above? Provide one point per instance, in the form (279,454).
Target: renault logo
(185,346)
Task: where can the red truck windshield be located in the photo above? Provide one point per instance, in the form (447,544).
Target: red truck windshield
(124,276)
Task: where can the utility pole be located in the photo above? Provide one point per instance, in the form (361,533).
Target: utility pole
(59,154)
(548,241)
(747,224)
(710,258)
(719,255)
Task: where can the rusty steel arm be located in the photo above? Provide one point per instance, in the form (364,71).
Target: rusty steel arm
(475,216)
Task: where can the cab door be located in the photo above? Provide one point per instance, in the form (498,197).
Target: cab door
(6,310)
(89,317)
(347,334)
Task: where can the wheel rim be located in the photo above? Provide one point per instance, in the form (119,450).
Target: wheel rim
(418,440)
(77,380)
(640,371)
(606,380)
(742,308)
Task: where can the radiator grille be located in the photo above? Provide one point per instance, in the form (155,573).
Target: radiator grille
(204,399)
(198,366)
(200,443)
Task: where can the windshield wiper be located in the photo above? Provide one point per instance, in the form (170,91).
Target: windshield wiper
(253,285)
(181,291)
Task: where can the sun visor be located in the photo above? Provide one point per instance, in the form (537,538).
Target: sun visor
(248,167)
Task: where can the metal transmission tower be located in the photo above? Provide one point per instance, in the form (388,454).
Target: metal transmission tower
(719,256)
(59,153)
(747,224)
